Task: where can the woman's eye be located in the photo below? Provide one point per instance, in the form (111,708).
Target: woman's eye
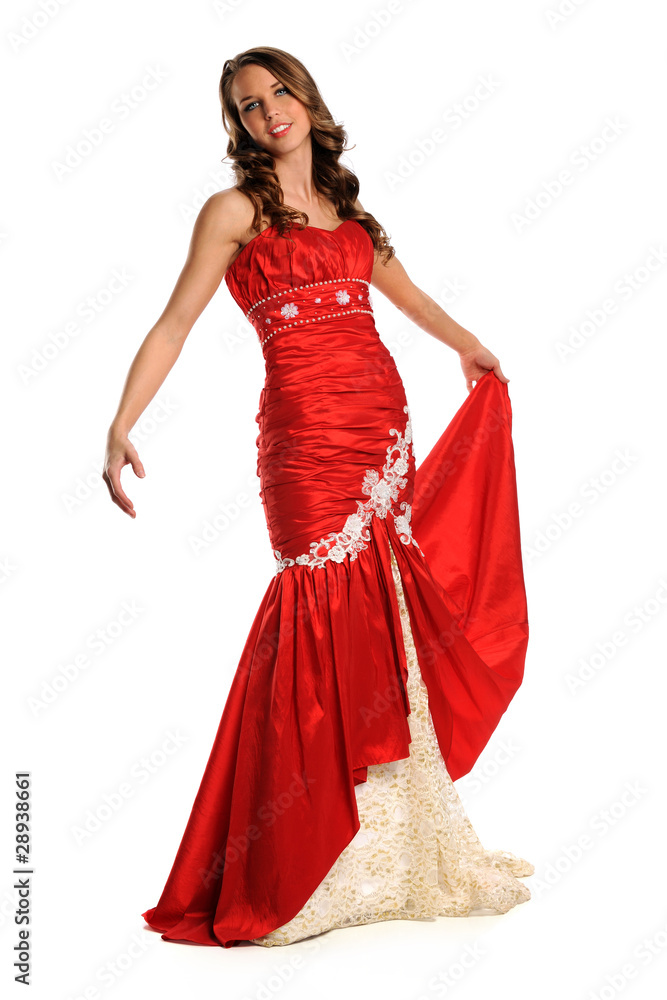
(250,106)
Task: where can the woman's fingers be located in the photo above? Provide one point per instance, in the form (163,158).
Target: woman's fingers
(499,372)
(132,457)
(119,454)
(477,363)
(111,477)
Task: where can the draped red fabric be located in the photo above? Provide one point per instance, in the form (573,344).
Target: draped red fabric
(319,692)
(466,518)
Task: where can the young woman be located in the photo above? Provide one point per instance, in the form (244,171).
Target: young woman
(393,635)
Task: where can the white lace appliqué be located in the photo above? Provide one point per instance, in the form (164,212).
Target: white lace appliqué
(382,489)
(416,855)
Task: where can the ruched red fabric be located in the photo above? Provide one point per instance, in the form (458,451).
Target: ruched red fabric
(320,691)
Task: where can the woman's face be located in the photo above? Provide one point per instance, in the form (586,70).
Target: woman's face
(263,104)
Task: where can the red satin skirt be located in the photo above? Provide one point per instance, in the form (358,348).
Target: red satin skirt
(320,691)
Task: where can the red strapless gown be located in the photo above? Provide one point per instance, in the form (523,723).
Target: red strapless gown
(321,691)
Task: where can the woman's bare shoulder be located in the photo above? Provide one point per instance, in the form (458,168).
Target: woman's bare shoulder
(229,213)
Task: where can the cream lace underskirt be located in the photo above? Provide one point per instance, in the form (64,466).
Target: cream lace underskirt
(416,855)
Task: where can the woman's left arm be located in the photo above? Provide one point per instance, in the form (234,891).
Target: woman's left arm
(394,282)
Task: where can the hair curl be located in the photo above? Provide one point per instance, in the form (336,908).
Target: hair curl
(254,167)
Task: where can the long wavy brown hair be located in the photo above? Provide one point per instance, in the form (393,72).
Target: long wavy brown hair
(254,167)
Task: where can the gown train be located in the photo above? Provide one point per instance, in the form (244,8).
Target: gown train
(416,855)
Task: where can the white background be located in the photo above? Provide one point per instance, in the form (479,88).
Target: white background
(71,559)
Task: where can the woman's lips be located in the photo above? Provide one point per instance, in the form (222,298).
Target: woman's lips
(284,131)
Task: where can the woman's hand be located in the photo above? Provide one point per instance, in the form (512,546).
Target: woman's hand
(120,452)
(477,361)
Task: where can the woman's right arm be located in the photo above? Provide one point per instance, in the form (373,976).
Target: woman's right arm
(215,239)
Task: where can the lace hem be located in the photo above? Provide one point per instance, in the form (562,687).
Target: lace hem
(416,854)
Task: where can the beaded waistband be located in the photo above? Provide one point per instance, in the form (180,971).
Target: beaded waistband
(314,302)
